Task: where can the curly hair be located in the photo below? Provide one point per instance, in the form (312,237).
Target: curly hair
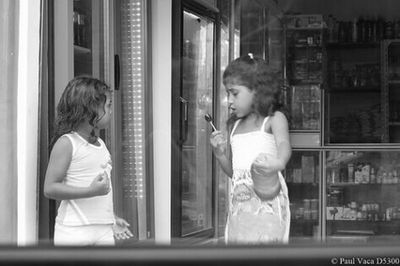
(255,74)
(80,101)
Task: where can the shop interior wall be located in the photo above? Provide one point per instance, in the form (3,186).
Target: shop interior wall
(344,9)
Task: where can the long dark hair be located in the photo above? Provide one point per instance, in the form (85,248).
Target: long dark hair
(80,101)
(255,74)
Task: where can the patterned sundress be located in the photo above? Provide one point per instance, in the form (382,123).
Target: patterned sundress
(251,220)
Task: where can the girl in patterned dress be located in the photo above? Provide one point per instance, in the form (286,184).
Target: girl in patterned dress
(258,151)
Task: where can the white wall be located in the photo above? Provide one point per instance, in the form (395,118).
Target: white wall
(27,120)
(161,71)
(8,113)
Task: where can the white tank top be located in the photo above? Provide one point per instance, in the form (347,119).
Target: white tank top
(87,162)
(247,146)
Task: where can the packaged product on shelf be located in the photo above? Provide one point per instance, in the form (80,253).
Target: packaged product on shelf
(350,173)
(308,169)
(297,175)
(358,177)
(372,176)
(365,173)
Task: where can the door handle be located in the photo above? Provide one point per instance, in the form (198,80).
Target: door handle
(117,73)
(184,119)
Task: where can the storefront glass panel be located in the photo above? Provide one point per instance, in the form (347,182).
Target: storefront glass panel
(362,199)
(303,175)
(197,101)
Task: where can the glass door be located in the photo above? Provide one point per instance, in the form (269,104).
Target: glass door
(197,101)
(194,79)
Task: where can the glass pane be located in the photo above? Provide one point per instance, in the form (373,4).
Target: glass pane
(275,42)
(353,95)
(363,203)
(88,22)
(304,70)
(304,105)
(392,92)
(197,73)
(303,177)
(252,28)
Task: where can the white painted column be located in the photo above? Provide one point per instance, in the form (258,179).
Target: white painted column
(27,121)
(161,15)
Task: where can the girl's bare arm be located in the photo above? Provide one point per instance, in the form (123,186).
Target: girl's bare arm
(59,161)
(280,130)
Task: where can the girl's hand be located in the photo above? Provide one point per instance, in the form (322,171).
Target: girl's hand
(265,177)
(218,143)
(267,164)
(120,228)
(100,185)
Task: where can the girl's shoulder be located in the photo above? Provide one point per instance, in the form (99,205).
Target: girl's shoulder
(278,115)
(63,146)
(278,119)
(65,140)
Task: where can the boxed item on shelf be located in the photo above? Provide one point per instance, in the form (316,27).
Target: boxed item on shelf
(308,169)
(305,21)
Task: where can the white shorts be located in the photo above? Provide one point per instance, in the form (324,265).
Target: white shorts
(84,235)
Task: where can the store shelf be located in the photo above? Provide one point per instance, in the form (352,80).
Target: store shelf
(363,185)
(358,89)
(353,45)
(306,28)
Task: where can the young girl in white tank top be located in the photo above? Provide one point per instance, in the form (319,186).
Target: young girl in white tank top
(79,169)
(258,151)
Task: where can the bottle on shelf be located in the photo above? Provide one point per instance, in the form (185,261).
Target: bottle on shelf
(76,31)
(354,31)
(82,30)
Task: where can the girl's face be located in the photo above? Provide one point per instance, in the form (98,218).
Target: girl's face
(240,99)
(105,113)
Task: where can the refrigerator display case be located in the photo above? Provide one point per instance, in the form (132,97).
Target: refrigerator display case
(197,101)
(362,195)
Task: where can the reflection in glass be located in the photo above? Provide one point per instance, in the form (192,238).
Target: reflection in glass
(197,73)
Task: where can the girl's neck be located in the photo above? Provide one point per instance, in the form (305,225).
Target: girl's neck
(253,118)
(250,122)
(85,131)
